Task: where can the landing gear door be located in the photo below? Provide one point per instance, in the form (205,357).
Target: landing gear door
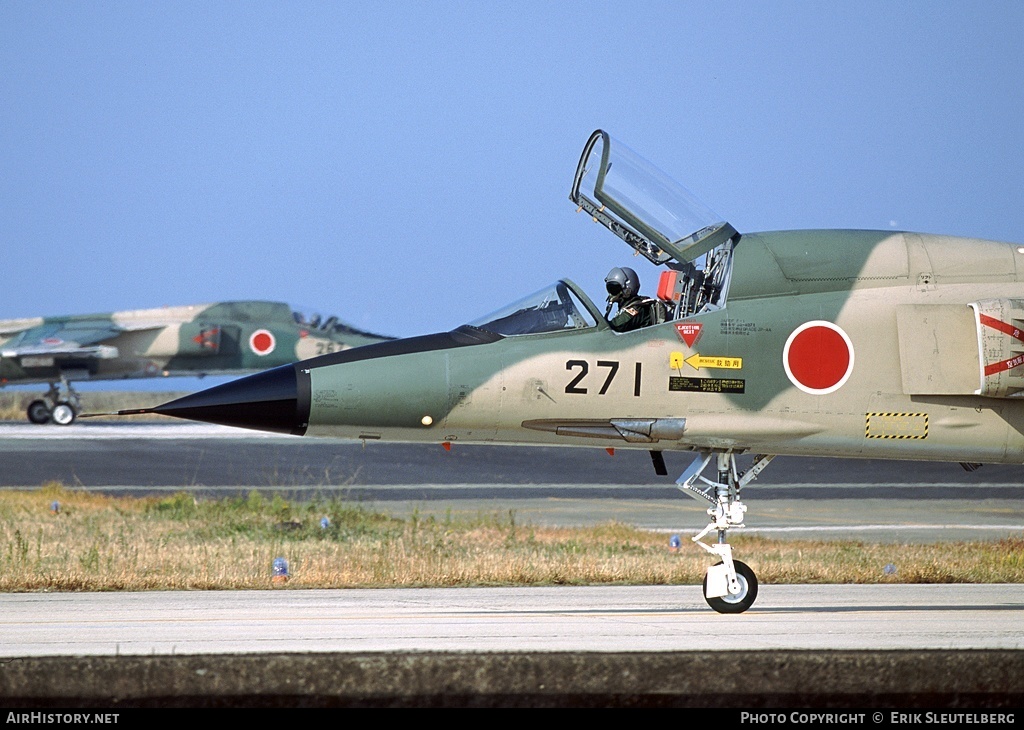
(643,206)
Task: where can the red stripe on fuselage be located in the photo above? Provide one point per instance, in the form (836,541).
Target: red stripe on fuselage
(1003,327)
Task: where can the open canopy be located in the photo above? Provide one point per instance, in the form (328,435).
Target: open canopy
(642,205)
(653,214)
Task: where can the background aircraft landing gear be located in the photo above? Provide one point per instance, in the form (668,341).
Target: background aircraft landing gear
(60,405)
(63,414)
(38,412)
(729,586)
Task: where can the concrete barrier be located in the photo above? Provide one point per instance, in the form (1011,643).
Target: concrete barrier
(728,679)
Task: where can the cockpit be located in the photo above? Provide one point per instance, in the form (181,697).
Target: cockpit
(660,219)
(310,319)
(556,308)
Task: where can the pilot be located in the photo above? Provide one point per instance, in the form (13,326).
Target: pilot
(635,311)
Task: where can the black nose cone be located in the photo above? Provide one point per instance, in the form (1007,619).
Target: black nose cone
(276,400)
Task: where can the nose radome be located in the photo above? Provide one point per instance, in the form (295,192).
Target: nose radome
(279,400)
(267,401)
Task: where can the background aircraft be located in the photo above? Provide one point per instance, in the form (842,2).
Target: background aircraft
(874,344)
(203,339)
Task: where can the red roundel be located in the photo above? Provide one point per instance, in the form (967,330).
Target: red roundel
(818,357)
(262,342)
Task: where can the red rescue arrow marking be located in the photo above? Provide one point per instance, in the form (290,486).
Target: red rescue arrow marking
(1003,327)
(998,367)
(1007,329)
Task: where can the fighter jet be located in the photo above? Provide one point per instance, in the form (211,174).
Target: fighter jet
(823,343)
(227,338)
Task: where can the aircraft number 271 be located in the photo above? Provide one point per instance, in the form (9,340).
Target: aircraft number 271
(577,384)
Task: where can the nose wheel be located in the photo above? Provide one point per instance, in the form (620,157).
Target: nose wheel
(744,597)
(729,586)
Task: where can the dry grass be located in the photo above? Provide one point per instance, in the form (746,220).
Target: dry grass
(100,543)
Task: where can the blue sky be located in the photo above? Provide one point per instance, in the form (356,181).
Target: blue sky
(406,165)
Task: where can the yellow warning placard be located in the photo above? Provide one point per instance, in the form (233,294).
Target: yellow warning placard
(698,361)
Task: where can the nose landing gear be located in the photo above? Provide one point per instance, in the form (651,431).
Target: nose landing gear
(729,586)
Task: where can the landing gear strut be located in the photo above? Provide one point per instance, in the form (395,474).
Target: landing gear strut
(60,405)
(729,586)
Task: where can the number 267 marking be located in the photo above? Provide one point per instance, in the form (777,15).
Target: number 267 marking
(577,385)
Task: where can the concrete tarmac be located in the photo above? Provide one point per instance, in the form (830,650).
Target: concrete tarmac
(561,618)
(653,646)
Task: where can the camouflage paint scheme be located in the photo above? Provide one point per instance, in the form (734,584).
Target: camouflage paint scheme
(902,299)
(841,343)
(204,339)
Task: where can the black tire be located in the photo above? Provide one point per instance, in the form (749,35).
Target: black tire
(747,594)
(38,412)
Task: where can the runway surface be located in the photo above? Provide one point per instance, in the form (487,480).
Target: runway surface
(171,454)
(584,619)
(795,497)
